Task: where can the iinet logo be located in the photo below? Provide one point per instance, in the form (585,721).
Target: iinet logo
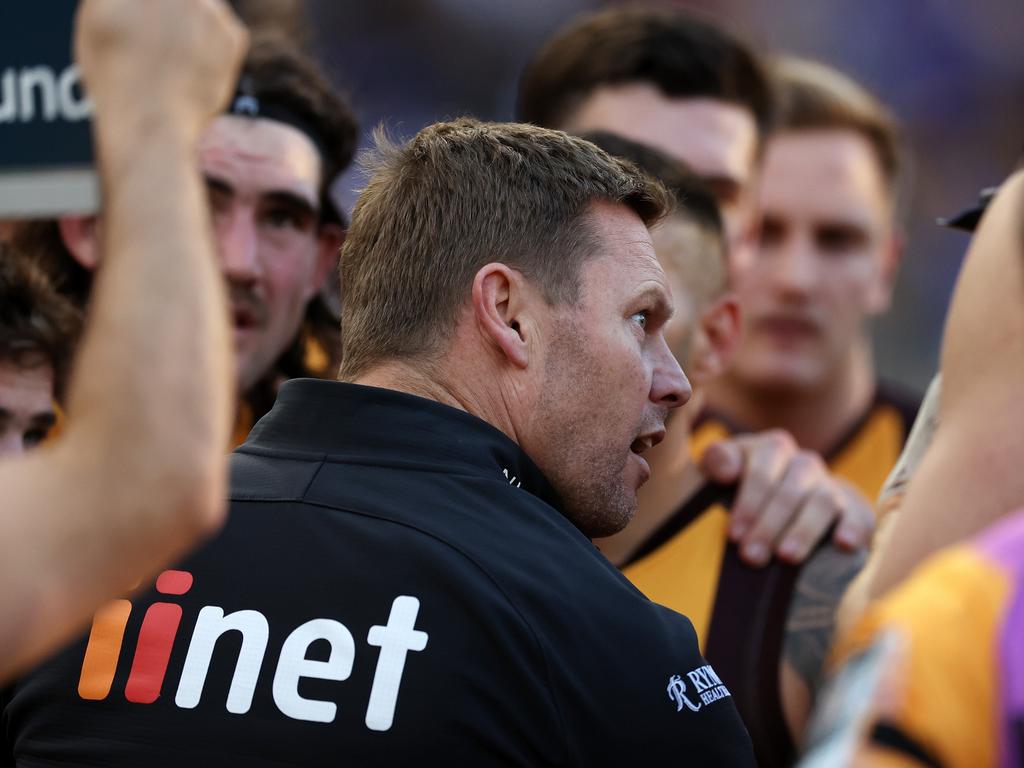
(160,627)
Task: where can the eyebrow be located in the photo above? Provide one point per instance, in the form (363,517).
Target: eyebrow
(720,184)
(45,419)
(662,305)
(277,196)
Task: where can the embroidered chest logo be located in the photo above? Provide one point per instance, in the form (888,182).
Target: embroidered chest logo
(708,688)
(512,479)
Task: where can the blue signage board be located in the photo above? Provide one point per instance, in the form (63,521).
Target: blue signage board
(45,126)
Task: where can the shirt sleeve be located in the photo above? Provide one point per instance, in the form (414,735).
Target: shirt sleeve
(943,694)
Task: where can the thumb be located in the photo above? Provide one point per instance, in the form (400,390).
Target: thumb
(722,461)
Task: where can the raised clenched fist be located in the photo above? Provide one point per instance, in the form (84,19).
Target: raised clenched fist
(157,62)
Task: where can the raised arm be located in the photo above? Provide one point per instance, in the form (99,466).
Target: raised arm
(138,474)
(971,473)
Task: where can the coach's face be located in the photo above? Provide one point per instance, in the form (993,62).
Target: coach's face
(607,378)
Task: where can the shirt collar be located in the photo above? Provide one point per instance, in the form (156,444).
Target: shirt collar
(340,420)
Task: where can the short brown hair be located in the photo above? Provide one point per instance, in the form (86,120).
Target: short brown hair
(682,55)
(38,326)
(460,195)
(813,96)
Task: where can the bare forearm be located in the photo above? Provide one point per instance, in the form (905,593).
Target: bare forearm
(138,473)
(159,397)
(971,474)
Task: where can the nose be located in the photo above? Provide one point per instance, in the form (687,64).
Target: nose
(795,268)
(669,386)
(238,245)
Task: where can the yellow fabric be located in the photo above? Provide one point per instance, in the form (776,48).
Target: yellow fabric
(58,424)
(709,431)
(865,459)
(868,458)
(316,359)
(243,424)
(683,573)
(949,614)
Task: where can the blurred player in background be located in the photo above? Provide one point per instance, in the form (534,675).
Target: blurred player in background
(268,165)
(825,265)
(38,331)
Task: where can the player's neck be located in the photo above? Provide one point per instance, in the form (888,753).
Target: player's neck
(674,479)
(817,418)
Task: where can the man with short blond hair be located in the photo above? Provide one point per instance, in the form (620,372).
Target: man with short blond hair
(408,558)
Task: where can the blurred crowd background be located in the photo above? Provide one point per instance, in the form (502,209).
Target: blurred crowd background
(951,71)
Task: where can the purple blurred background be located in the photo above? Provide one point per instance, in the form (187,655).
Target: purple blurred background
(953,73)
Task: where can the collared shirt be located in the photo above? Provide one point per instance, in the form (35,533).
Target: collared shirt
(396,584)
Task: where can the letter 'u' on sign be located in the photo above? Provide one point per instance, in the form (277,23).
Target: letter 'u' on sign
(294,665)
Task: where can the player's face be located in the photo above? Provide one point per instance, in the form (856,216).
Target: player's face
(263,179)
(824,261)
(26,407)
(608,378)
(718,140)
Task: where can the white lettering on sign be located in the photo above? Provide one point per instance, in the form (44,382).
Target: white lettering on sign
(29,91)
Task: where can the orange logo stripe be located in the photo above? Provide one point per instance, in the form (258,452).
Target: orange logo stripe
(103,650)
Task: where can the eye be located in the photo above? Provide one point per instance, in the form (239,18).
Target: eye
(640,318)
(33,437)
(772,232)
(840,238)
(282,217)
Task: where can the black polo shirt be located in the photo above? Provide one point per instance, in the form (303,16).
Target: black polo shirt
(395,585)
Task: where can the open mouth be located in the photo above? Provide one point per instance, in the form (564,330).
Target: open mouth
(788,327)
(243,318)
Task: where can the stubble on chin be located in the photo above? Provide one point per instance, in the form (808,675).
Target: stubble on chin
(585,465)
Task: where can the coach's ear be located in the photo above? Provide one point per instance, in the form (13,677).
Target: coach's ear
(715,339)
(81,237)
(502,299)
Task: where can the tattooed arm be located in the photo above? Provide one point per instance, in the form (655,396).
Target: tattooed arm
(809,629)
